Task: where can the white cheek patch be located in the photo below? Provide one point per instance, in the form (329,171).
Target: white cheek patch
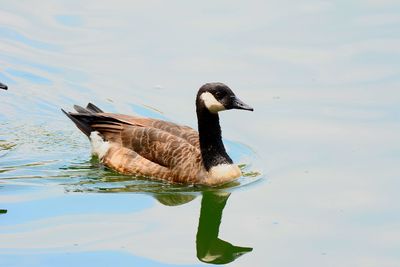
(211,103)
(99,146)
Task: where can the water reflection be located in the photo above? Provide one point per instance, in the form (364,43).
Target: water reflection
(171,199)
(211,249)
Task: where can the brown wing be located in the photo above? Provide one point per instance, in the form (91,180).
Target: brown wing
(146,146)
(151,152)
(162,142)
(185,132)
(158,146)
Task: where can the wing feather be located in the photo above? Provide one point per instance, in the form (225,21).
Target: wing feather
(143,145)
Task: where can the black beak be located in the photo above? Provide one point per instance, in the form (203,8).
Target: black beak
(239,104)
(3,86)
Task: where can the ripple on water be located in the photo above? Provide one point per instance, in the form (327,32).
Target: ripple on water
(61,158)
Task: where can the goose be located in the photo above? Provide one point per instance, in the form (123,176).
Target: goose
(3,86)
(161,149)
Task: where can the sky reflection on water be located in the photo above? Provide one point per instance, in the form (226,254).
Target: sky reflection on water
(322,76)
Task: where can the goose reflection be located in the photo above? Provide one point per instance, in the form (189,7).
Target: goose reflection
(211,249)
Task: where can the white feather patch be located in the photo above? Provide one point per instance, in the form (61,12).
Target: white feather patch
(212,104)
(99,146)
(224,172)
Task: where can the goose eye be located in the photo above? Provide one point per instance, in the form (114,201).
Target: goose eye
(219,95)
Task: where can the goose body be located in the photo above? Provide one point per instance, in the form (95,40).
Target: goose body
(161,149)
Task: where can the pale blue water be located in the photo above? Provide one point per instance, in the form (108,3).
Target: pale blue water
(321,149)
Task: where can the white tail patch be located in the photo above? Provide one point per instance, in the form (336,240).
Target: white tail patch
(99,146)
(211,103)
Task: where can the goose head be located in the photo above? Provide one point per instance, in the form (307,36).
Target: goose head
(216,97)
(3,86)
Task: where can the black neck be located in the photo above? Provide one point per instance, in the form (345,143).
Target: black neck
(211,146)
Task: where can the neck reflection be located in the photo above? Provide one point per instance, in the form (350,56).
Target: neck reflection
(211,249)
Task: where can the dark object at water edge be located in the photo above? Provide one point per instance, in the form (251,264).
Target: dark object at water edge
(3,86)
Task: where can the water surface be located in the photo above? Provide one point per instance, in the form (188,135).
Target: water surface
(320,151)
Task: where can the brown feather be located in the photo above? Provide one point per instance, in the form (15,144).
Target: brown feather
(149,147)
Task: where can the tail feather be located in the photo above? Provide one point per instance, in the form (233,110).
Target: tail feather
(91,107)
(88,120)
(83,126)
(80,109)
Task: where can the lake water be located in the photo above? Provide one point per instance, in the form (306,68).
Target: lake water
(321,150)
